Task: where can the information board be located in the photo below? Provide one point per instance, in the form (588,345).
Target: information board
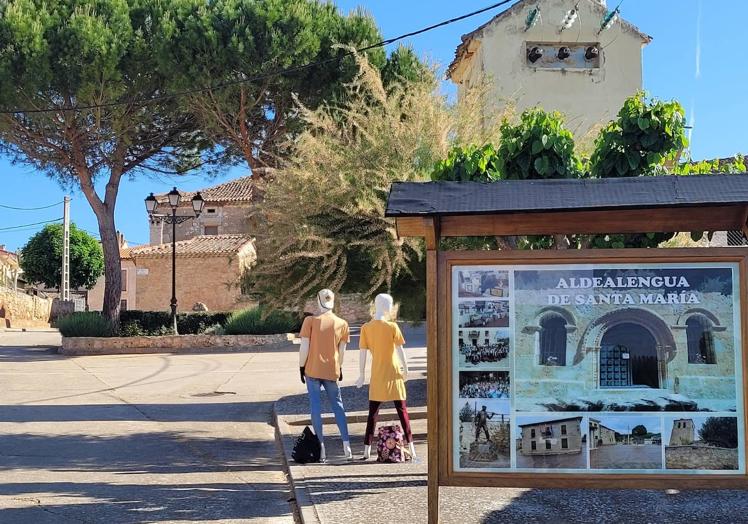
(597,368)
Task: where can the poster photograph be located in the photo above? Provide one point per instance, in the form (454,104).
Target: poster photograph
(484,384)
(626,339)
(625,441)
(485,434)
(483,283)
(551,442)
(484,314)
(484,348)
(701,442)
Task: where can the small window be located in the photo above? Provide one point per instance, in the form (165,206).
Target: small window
(532,433)
(123,305)
(700,340)
(553,341)
(547,444)
(123,278)
(563,429)
(534,445)
(564,443)
(211,211)
(210,230)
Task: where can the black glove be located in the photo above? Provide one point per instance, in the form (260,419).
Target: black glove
(340,379)
(302,374)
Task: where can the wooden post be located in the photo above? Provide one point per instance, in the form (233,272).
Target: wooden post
(432,343)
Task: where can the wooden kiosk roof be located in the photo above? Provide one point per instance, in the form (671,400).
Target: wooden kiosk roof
(716,202)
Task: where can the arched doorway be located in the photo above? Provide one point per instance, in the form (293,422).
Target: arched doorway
(628,357)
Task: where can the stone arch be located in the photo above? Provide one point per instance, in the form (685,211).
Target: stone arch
(711,317)
(571,322)
(656,325)
(536,328)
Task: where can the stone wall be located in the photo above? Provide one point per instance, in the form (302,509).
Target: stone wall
(700,457)
(19,310)
(167,344)
(214,281)
(229,220)
(351,307)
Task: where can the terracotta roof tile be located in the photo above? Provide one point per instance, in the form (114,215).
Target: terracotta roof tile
(196,247)
(238,190)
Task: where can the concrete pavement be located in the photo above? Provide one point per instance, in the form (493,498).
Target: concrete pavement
(157,438)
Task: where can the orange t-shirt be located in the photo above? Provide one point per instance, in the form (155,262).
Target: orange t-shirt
(325,333)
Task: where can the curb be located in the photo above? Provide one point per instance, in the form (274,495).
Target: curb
(307,511)
(174,351)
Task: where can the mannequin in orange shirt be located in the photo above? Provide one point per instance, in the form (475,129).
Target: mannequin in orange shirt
(324,338)
(383,339)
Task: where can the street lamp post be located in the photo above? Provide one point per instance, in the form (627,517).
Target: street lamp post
(151,204)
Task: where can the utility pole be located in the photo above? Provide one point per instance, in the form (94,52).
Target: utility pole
(65,289)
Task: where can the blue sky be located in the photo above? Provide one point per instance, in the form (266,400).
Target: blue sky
(689,60)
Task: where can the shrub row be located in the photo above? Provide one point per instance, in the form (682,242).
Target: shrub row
(258,322)
(154,323)
(135,323)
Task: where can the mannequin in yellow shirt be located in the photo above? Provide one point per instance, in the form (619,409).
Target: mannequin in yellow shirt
(383,339)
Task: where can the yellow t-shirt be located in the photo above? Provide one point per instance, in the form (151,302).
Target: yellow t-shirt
(381,338)
(325,333)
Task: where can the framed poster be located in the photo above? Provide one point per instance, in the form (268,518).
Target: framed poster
(595,366)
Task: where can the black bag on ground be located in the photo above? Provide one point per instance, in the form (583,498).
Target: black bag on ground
(307,448)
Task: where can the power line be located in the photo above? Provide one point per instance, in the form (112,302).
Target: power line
(11,228)
(29,208)
(263,76)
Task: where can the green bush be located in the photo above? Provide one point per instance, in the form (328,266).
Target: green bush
(256,322)
(135,323)
(89,324)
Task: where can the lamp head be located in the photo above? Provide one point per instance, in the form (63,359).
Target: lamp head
(198,203)
(174,198)
(151,204)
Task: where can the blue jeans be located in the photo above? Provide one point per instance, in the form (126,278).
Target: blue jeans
(313,386)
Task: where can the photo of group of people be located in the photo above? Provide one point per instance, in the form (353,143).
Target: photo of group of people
(484,384)
(482,347)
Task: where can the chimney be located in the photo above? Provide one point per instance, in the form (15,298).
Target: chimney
(121,240)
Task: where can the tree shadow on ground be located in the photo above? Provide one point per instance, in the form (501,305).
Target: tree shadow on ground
(622,506)
(354,399)
(148,477)
(137,502)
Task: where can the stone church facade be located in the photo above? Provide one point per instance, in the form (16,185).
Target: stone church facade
(634,356)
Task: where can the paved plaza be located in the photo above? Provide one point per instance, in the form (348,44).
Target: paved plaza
(190,438)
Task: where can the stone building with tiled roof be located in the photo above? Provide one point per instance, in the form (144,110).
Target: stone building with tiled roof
(209,271)
(582,71)
(228,210)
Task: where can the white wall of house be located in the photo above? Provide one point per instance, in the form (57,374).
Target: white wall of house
(589,97)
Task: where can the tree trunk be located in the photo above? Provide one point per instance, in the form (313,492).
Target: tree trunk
(112,266)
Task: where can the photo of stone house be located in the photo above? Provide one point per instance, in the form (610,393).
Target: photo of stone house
(621,338)
(485,437)
(706,443)
(625,442)
(476,283)
(483,313)
(601,435)
(551,442)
